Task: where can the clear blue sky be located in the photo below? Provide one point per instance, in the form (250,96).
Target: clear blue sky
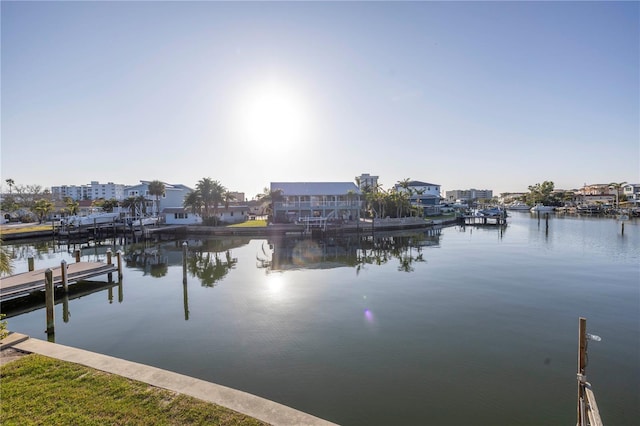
(495,95)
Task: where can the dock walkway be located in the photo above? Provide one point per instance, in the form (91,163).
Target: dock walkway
(27,282)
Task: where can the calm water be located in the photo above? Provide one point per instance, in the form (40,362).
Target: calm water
(472,326)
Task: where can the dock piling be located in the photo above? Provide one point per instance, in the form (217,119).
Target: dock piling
(119,258)
(49,300)
(109,262)
(184,262)
(77,254)
(63,275)
(30,261)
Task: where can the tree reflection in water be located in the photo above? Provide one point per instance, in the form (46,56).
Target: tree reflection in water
(210,268)
(353,251)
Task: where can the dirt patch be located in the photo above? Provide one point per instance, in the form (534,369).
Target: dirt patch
(10,354)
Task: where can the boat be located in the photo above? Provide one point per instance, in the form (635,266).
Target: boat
(145,221)
(518,205)
(92,219)
(542,208)
(490,212)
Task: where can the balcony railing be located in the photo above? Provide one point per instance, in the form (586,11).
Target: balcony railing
(316,204)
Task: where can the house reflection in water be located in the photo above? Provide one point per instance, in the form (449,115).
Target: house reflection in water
(287,253)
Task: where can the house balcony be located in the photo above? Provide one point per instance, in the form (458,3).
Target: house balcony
(304,205)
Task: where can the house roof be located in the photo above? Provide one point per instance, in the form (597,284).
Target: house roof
(419,183)
(315,188)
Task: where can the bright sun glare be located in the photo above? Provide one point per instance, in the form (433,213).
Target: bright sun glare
(273,118)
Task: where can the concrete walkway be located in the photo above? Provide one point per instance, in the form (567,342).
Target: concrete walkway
(245,403)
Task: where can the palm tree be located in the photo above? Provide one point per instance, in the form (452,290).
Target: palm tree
(5,260)
(193,200)
(11,183)
(129,203)
(217,197)
(617,186)
(205,188)
(157,188)
(72,206)
(42,208)
(228,197)
(269,197)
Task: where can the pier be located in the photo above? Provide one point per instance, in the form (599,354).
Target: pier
(28,282)
(498,220)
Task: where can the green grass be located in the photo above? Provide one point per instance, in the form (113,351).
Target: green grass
(250,224)
(24,229)
(40,390)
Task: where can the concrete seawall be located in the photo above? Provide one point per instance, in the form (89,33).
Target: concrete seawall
(242,402)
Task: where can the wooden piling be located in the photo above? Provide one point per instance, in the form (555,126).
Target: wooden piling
(30,261)
(622,228)
(77,254)
(109,262)
(65,308)
(184,262)
(582,360)
(119,258)
(120,292)
(49,300)
(63,275)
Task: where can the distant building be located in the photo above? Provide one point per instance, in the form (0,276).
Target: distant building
(238,197)
(322,200)
(423,195)
(367,181)
(468,195)
(596,189)
(94,191)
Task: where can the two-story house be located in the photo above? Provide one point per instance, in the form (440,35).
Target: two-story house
(422,195)
(632,192)
(323,200)
(173,196)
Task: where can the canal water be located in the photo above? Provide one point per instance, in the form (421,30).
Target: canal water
(468,326)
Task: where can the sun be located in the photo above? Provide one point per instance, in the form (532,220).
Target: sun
(273,118)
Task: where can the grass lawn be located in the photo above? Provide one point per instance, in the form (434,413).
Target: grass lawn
(22,229)
(250,224)
(41,390)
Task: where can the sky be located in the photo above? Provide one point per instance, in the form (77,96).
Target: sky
(485,95)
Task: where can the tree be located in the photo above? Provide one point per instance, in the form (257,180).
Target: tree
(617,186)
(268,197)
(205,188)
(71,206)
(42,208)
(11,183)
(541,193)
(5,260)
(193,200)
(106,205)
(228,197)
(157,189)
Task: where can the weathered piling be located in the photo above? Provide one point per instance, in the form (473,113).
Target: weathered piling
(30,261)
(77,254)
(63,275)
(119,258)
(184,262)
(109,262)
(49,300)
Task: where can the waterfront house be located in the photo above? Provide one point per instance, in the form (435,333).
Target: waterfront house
(423,195)
(180,216)
(331,201)
(233,214)
(173,195)
(632,192)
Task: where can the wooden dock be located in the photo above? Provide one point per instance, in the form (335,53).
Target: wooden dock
(497,220)
(25,283)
